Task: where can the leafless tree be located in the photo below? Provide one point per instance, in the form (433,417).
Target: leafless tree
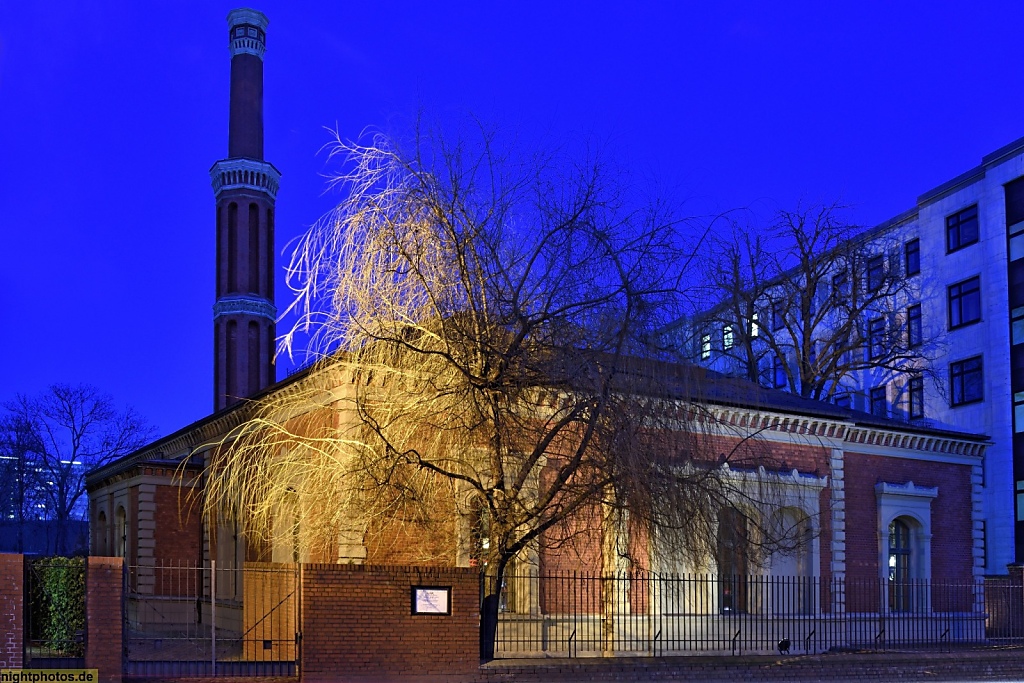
(808,304)
(58,436)
(480,325)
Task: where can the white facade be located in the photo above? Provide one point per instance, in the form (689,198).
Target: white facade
(945,272)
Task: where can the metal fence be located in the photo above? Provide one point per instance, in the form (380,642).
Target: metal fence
(54,612)
(187,620)
(575,614)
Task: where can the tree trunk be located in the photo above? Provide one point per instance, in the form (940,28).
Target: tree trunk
(610,523)
(491,592)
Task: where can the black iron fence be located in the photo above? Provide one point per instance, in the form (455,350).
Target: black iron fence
(54,612)
(640,613)
(209,620)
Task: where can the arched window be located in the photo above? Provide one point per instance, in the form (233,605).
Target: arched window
(904,519)
(791,586)
(480,533)
(900,566)
(101,533)
(120,533)
(733,560)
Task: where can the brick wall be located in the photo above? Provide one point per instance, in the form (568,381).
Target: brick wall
(103,617)
(357,622)
(12,576)
(952,539)
(176,529)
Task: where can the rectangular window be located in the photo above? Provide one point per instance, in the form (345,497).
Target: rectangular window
(1014,201)
(962,229)
(705,346)
(840,287)
(876,338)
(912,257)
(876,273)
(778,315)
(879,404)
(778,373)
(964,303)
(755,329)
(966,382)
(915,395)
(914,333)
(727,337)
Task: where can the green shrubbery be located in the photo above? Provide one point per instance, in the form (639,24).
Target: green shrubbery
(57,604)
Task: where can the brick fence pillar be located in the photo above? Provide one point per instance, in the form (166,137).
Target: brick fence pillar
(103,581)
(12,603)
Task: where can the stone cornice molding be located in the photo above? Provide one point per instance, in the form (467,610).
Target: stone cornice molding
(890,439)
(885,488)
(757,420)
(245,305)
(245,174)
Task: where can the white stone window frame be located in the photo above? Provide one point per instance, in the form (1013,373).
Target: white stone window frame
(914,502)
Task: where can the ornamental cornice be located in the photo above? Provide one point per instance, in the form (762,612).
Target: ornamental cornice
(763,421)
(245,174)
(866,439)
(245,305)
(885,488)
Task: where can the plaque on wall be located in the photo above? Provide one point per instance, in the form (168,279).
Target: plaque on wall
(431,599)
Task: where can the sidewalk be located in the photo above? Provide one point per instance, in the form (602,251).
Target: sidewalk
(1004,664)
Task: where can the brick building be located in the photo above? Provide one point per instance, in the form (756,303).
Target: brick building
(872,497)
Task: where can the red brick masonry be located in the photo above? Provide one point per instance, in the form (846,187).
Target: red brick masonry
(103,582)
(357,621)
(12,576)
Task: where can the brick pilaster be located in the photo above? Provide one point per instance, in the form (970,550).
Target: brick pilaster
(12,597)
(103,584)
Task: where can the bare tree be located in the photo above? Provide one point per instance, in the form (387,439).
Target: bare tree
(57,437)
(479,323)
(808,304)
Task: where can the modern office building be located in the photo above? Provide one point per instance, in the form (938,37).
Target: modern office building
(959,253)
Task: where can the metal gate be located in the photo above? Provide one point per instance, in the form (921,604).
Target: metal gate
(54,613)
(209,620)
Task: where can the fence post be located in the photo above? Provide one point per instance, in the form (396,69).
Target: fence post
(213,616)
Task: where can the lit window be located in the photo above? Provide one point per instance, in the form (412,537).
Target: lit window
(964,303)
(914,335)
(755,329)
(915,393)
(966,381)
(727,337)
(900,558)
(912,257)
(962,228)
(879,402)
(705,346)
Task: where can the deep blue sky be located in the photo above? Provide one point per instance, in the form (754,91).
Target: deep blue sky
(111,114)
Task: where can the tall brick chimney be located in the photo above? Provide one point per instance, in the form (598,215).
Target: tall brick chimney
(245,187)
